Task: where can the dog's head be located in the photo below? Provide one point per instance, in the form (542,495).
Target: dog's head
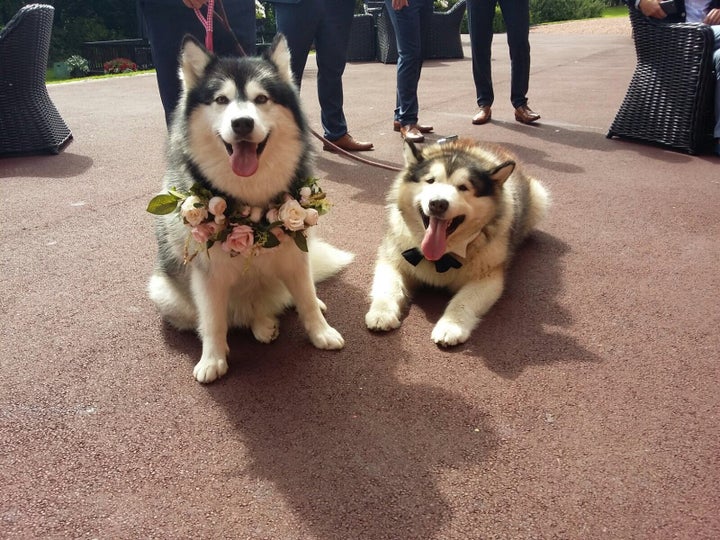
(448,192)
(235,112)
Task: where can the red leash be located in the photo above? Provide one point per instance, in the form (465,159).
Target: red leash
(207,23)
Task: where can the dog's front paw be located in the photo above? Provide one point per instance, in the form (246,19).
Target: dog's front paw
(447,333)
(382,319)
(207,370)
(266,330)
(328,338)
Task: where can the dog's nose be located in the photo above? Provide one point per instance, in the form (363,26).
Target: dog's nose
(243,125)
(438,207)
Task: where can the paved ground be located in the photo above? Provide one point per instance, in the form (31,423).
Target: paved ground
(584,406)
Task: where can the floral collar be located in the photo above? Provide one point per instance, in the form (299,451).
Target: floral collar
(241,229)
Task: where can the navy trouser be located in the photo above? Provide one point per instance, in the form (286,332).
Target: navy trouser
(410,23)
(516,14)
(167,22)
(327,24)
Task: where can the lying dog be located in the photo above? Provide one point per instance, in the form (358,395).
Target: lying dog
(456,213)
(234,220)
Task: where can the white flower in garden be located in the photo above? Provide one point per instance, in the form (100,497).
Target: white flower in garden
(193,210)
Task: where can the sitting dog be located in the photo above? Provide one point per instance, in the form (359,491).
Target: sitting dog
(235,219)
(456,213)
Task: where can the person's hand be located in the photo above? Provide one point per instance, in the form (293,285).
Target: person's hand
(194,4)
(399,4)
(651,8)
(712,17)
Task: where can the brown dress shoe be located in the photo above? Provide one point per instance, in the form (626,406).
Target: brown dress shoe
(411,132)
(525,115)
(483,116)
(347,143)
(422,128)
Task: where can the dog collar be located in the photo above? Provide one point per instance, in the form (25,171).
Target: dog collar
(442,265)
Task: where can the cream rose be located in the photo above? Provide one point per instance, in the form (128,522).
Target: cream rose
(217,206)
(193,210)
(292,215)
(240,239)
(311,217)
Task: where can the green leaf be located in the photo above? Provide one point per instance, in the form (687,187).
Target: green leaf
(270,240)
(162,204)
(300,241)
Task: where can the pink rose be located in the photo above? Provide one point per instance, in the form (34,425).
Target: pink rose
(202,233)
(292,215)
(240,239)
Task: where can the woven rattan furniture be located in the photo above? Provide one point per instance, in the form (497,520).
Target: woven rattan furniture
(361,44)
(670,98)
(443,40)
(29,121)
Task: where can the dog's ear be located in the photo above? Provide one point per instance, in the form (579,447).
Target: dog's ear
(279,54)
(502,172)
(193,61)
(413,156)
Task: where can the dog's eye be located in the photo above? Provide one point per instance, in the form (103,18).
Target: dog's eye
(261,99)
(222,100)
(462,187)
(430,180)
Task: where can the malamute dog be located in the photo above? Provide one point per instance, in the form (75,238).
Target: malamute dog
(456,213)
(234,220)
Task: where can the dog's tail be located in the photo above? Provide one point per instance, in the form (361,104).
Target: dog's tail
(326,260)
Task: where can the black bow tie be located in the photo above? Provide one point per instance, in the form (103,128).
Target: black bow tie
(442,265)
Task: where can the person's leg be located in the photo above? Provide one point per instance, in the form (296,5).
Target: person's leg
(331,43)
(480,19)
(166,25)
(241,17)
(406,23)
(298,23)
(517,20)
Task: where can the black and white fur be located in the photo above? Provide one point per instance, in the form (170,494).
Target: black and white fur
(228,103)
(463,199)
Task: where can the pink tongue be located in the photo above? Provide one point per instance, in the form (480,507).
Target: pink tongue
(435,242)
(244,160)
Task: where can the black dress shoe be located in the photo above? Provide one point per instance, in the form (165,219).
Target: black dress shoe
(525,115)
(347,143)
(483,116)
(422,128)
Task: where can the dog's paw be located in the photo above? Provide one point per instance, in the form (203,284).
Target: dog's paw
(206,371)
(266,330)
(328,338)
(381,320)
(447,333)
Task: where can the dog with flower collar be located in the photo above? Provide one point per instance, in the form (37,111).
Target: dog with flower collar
(237,212)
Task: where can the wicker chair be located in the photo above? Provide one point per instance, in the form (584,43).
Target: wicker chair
(361,44)
(29,121)
(670,98)
(441,41)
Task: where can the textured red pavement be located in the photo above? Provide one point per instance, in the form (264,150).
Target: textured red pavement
(584,406)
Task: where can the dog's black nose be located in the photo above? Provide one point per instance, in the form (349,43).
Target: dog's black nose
(438,207)
(243,125)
